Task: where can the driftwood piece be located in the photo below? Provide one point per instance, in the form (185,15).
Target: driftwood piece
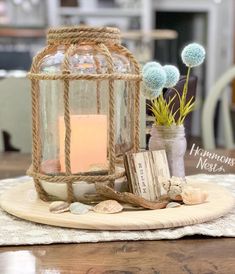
(130,198)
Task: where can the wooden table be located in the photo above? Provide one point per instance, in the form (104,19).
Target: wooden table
(188,255)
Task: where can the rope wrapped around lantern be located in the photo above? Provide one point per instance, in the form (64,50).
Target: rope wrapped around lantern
(111,67)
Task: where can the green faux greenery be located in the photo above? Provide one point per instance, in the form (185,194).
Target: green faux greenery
(163,109)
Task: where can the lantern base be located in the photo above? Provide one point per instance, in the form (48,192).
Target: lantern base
(81,189)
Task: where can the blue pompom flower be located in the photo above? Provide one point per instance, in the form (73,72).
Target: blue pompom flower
(172,75)
(150,65)
(154,78)
(150,93)
(193,55)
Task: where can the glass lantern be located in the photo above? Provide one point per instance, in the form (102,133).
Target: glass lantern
(85,109)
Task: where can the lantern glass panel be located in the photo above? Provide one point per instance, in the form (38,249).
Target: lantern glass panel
(89,111)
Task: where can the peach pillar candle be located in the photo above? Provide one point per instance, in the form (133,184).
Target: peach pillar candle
(88,146)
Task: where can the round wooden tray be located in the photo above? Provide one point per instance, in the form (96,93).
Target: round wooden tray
(22,202)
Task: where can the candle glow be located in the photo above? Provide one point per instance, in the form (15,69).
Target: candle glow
(88,147)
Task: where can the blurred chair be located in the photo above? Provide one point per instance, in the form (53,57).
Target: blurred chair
(7,145)
(216,93)
(15,112)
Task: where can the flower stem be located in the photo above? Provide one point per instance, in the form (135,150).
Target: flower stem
(184,94)
(185,90)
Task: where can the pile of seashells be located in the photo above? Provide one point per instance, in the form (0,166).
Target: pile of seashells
(106,207)
(177,193)
(178,190)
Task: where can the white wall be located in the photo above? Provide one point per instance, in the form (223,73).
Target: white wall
(15,111)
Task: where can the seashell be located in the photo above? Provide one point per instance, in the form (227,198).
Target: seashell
(51,166)
(193,196)
(172,205)
(59,207)
(108,207)
(79,208)
(174,187)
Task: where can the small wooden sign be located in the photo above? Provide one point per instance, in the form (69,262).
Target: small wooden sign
(144,170)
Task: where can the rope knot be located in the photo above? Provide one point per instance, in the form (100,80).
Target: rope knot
(66,72)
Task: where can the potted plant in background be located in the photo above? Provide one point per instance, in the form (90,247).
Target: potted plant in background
(168,130)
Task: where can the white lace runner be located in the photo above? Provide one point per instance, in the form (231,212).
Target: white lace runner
(14,231)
